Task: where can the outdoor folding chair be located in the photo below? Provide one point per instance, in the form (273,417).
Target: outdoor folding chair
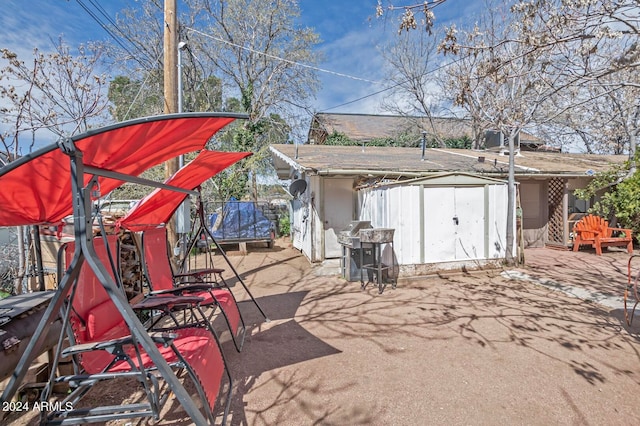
(157,208)
(104,349)
(163,281)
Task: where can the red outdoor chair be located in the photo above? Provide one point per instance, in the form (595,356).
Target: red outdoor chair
(164,281)
(103,349)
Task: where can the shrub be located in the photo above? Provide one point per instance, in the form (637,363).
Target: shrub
(284,225)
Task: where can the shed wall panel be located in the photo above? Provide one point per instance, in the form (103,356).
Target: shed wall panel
(436,223)
(405,217)
(438,237)
(469,222)
(496,221)
(337,212)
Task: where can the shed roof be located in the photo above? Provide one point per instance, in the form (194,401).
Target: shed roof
(407,162)
(448,179)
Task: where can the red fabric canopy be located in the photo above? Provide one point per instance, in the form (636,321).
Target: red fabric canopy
(36,189)
(158,207)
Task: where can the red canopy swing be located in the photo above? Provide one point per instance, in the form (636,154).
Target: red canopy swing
(53,182)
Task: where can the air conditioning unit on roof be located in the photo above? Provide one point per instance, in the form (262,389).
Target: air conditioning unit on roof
(496,141)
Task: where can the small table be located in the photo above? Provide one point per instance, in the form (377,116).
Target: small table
(376,238)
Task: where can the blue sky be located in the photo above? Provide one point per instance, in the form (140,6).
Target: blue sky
(349,31)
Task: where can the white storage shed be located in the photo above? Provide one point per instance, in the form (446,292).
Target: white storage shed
(446,221)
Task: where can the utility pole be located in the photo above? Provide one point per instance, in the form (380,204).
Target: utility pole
(170,46)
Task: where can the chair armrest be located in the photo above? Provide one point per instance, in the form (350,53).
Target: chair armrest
(625,230)
(195,287)
(93,346)
(155,301)
(113,345)
(199,272)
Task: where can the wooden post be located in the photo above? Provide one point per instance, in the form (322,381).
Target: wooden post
(171,89)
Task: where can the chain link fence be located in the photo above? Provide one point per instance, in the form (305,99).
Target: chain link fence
(8,260)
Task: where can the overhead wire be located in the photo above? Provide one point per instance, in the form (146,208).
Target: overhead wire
(108,30)
(135,98)
(323,70)
(438,68)
(103,25)
(274,57)
(288,61)
(107,27)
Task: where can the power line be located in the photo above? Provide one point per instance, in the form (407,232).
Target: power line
(108,29)
(104,13)
(323,69)
(135,98)
(395,85)
(103,25)
(283,59)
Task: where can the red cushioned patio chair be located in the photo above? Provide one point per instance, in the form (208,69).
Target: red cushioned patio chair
(164,281)
(104,349)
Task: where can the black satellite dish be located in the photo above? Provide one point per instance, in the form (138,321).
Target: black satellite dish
(297,187)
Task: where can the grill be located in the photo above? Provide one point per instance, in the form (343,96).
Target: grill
(376,270)
(350,236)
(362,253)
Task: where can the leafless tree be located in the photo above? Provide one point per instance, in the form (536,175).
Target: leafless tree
(411,63)
(592,46)
(263,57)
(138,55)
(604,120)
(509,88)
(55,94)
(408,19)
(563,64)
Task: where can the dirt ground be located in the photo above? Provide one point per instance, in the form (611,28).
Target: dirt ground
(457,349)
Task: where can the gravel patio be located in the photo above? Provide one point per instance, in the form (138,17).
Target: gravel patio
(462,348)
(481,348)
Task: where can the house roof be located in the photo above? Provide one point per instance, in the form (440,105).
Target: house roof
(361,127)
(407,162)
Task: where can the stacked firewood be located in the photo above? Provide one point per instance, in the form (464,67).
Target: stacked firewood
(133,278)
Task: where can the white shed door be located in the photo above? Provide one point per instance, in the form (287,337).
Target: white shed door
(338,213)
(453,223)
(470,232)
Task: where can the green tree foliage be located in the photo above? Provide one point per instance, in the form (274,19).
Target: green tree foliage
(251,48)
(619,195)
(337,138)
(404,140)
(257,47)
(133,98)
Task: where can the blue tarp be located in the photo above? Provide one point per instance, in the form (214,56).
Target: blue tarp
(241,220)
